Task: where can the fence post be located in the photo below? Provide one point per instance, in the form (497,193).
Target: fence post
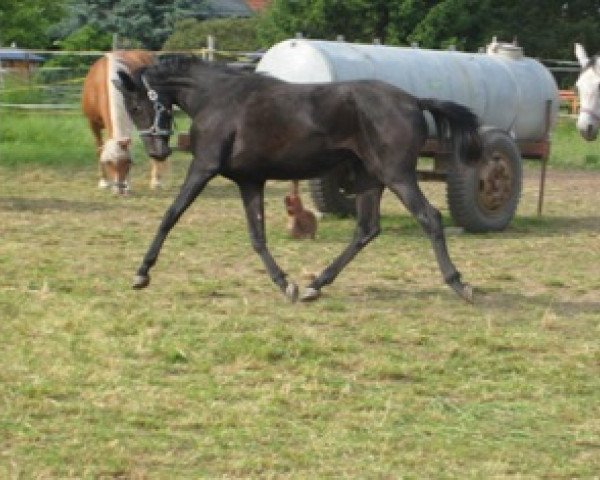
(210,43)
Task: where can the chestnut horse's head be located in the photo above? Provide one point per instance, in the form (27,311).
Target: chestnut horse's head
(116,158)
(588,86)
(151,113)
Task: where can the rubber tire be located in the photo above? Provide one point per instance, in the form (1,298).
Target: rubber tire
(465,185)
(332,192)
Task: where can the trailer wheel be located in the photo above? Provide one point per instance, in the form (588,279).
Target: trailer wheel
(334,191)
(484,197)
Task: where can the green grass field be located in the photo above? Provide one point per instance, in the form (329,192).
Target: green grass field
(209,373)
(63,138)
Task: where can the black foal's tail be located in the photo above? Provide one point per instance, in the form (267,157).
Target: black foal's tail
(460,123)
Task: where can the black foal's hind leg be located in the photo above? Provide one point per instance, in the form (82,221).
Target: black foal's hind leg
(193,185)
(431,221)
(368,201)
(253,198)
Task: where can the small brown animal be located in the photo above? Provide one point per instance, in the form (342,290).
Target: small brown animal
(302,223)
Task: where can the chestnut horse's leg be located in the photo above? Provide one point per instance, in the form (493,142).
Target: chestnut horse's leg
(253,198)
(368,201)
(157,171)
(407,189)
(194,183)
(96,129)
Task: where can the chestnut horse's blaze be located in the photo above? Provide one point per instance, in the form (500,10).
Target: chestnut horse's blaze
(103,106)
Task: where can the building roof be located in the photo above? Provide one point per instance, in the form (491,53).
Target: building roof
(16,54)
(225,8)
(258,5)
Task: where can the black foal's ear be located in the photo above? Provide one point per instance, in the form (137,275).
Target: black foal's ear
(124,83)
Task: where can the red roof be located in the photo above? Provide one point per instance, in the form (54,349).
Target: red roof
(258,5)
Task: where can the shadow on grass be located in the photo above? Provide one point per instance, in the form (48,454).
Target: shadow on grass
(521,227)
(40,205)
(487,299)
(211,191)
(546,226)
(512,301)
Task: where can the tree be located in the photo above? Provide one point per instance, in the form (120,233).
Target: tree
(232,34)
(26,22)
(87,38)
(146,22)
(545,29)
(548,29)
(357,20)
(461,23)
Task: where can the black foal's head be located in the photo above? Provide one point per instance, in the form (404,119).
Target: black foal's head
(150,111)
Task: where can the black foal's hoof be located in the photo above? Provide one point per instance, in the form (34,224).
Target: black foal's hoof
(141,281)
(309,294)
(291,292)
(464,291)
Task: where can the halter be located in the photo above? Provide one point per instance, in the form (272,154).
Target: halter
(159,109)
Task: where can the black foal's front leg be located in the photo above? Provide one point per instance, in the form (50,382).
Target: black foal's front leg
(253,198)
(193,185)
(367,228)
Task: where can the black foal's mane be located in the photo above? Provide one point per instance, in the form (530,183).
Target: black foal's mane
(186,64)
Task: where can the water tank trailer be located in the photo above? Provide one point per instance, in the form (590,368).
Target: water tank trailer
(515,97)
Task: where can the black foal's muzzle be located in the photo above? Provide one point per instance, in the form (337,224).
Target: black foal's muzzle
(157,147)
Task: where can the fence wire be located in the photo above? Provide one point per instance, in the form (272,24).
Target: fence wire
(56,81)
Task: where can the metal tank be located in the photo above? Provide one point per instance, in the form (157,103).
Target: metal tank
(504,88)
(515,97)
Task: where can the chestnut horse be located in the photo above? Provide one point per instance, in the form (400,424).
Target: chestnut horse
(102,104)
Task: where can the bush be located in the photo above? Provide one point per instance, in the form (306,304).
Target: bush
(85,38)
(231,34)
